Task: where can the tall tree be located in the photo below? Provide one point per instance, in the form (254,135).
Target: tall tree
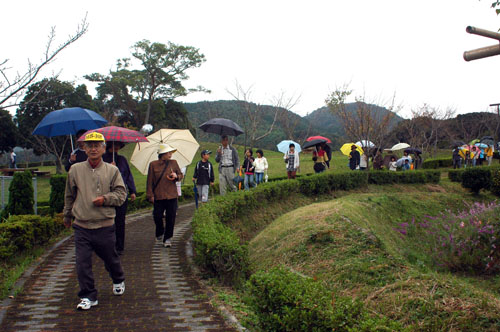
(42,98)
(13,85)
(163,68)
(8,132)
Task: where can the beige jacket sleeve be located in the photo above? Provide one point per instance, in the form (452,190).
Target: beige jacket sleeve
(118,193)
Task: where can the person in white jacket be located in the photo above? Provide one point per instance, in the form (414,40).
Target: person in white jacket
(292,161)
(261,166)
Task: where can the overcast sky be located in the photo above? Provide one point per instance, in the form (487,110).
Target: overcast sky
(410,49)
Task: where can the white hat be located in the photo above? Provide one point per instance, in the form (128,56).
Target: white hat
(164,148)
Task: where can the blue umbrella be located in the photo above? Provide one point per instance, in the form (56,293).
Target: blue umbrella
(283,146)
(68,121)
(481,145)
(195,189)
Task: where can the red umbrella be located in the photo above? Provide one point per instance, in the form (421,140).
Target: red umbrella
(318,137)
(118,134)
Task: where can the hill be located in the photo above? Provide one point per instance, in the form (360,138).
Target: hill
(288,125)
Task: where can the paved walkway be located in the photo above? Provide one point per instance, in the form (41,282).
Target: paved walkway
(161,293)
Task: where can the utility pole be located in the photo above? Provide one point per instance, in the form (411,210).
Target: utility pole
(483,52)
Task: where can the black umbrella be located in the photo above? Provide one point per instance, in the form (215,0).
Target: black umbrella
(312,143)
(458,143)
(487,140)
(413,150)
(221,127)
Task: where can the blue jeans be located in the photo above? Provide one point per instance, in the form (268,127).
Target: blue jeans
(259,177)
(248,181)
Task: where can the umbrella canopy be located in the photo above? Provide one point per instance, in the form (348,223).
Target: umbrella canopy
(481,145)
(413,150)
(401,161)
(314,142)
(284,145)
(458,143)
(474,141)
(488,140)
(312,138)
(346,148)
(400,146)
(221,126)
(365,144)
(179,139)
(118,134)
(68,121)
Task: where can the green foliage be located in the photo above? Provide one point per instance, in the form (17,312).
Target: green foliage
(8,131)
(437,163)
(495,181)
(455,175)
(389,177)
(327,182)
(286,301)
(476,178)
(20,195)
(58,187)
(22,232)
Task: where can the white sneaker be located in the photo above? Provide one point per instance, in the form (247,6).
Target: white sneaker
(86,304)
(119,289)
(167,244)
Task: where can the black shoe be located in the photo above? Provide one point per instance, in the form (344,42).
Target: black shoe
(119,252)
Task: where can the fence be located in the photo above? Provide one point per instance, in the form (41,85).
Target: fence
(6,180)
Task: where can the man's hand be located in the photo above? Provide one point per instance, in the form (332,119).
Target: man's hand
(132,197)
(99,201)
(194,180)
(72,158)
(211,183)
(152,200)
(67,222)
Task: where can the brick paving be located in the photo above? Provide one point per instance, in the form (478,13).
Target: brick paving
(161,292)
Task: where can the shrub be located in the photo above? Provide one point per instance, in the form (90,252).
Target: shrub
(495,181)
(455,175)
(285,301)
(21,232)
(437,163)
(20,195)
(462,241)
(388,177)
(139,202)
(58,187)
(476,178)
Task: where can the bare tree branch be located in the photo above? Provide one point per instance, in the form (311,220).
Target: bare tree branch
(12,87)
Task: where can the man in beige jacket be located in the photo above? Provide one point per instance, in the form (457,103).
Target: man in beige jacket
(93,189)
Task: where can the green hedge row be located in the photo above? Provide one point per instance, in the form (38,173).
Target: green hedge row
(23,232)
(477,178)
(420,176)
(434,163)
(286,301)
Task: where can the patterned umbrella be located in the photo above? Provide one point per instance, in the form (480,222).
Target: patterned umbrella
(118,134)
(312,138)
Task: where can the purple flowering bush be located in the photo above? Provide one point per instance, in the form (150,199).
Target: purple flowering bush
(465,241)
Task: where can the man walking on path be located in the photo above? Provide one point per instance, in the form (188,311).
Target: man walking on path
(93,189)
(228,160)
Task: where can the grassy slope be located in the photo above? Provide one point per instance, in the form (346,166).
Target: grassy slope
(349,244)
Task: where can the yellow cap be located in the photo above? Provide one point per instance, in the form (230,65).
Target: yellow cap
(94,136)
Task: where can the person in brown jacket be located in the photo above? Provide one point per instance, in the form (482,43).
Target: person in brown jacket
(161,190)
(93,189)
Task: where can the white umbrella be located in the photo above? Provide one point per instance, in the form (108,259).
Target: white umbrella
(400,146)
(365,143)
(180,139)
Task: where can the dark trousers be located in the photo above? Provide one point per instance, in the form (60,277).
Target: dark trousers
(121,211)
(167,208)
(102,241)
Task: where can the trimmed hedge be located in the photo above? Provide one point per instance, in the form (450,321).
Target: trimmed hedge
(388,177)
(455,175)
(21,199)
(437,163)
(285,301)
(476,178)
(22,232)
(58,187)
